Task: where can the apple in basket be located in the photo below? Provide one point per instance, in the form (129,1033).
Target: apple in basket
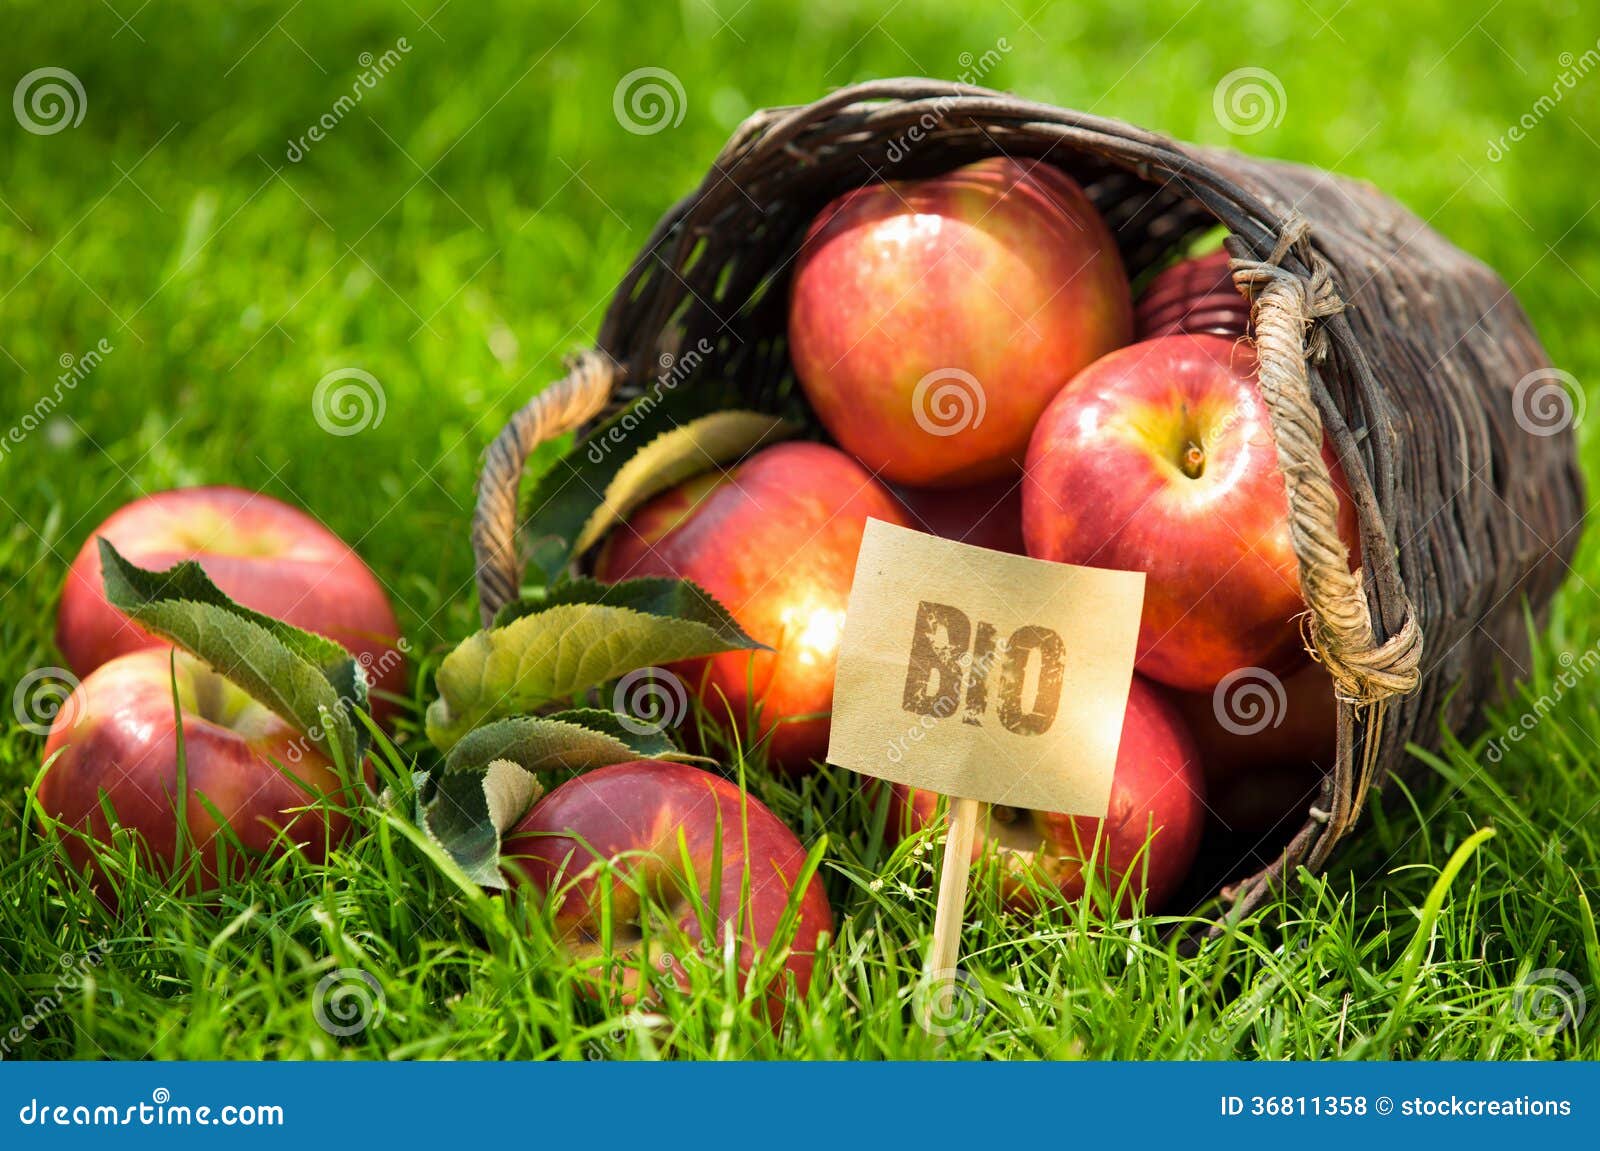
(1193,297)
(774,540)
(1160,458)
(1151,832)
(932,320)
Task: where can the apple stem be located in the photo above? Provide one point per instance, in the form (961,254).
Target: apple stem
(1194,460)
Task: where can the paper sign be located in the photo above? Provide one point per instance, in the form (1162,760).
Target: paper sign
(982,674)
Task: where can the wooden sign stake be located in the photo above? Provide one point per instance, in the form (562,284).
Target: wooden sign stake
(952,898)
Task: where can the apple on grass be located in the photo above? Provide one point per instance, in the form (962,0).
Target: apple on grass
(774,541)
(262,553)
(248,775)
(666,829)
(932,320)
(1150,835)
(1160,458)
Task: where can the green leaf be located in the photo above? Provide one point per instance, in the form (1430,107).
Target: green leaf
(675,456)
(307,679)
(584,634)
(489,779)
(467,812)
(599,480)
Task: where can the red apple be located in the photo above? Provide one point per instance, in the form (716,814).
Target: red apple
(775,541)
(118,742)
(984,515)
(1160,458)
(932,320)
(651,818)
(1152,827)
(1193,297)
(264,554)
(1265,743)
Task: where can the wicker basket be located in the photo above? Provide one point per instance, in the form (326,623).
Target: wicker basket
(1369,326)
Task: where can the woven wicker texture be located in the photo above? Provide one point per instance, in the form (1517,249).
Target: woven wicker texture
(1370,327)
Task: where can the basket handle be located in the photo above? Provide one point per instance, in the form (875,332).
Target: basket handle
(1339,626)
(562,407)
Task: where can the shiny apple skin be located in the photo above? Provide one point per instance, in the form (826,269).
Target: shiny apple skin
(1105,487)
(635,812)
(1263,781)
(1193,297)
(985,515)
(775,542)
(264,554)
(1159,784)
(1000,269)
(117,735)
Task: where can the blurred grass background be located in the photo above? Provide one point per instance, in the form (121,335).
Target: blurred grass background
(460,230)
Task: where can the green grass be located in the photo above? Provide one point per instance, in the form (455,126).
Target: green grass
(456,235)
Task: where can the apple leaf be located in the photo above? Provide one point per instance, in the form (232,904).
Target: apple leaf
(602,478)
(675,456)
(308,679)
(489,779)
(581,635)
